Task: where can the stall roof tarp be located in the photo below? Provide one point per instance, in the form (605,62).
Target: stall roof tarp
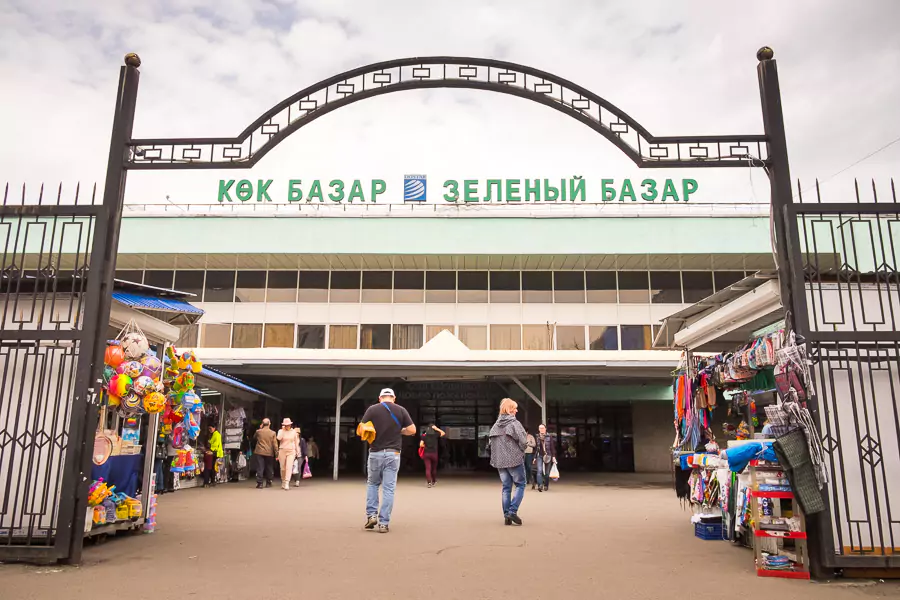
(152,302)
(237,383)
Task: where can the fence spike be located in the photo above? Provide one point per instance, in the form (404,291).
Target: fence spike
(59,194)
(874,191)
(818,192)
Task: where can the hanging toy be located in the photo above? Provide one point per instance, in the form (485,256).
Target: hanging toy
(132,368)
(108,373)
(154,402)
(120,384)
(135,345)
(114,355)
(190,400)
(143,385)
(132,403)
(188,360)
(184,382)
(152,366)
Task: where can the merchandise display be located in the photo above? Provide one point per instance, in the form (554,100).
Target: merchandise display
(757,489)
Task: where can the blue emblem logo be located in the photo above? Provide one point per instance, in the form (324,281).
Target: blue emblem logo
(414,188)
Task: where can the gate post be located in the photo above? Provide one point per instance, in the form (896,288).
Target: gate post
(787,241)
(102,273)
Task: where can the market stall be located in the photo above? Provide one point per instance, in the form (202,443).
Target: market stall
(746,455)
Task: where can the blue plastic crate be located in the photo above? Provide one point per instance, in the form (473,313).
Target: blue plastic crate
(708,531)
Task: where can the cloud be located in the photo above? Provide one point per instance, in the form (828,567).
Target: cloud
(212,66)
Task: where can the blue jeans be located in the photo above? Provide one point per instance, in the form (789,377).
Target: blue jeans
(543,473)
(508,478)
(529,462)
(383,467)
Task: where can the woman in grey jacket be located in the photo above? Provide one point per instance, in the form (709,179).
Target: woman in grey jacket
(507,443)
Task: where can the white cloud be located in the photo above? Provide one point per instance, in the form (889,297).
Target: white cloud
(212,66)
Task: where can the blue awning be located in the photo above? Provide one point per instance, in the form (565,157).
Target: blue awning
(223,378)
(150,302)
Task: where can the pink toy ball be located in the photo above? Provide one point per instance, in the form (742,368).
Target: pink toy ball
(120,385)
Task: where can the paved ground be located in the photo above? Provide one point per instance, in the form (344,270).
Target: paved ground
(586,538)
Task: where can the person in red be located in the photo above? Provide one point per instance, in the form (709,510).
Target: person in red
(429,445)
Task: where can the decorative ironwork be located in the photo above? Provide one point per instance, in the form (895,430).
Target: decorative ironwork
(48,332)
(844,261)
(275,125)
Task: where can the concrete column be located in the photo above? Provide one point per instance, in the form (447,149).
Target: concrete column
(337,426)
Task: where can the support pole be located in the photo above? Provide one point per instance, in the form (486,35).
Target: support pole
(544,400)
(337,426)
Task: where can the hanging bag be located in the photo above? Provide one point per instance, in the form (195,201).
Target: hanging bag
(306,472)
(554,472)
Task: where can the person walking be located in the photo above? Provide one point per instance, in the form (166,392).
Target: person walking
(288,449)
(313,448)
(530,444)
(216,452)
(429,444)
(300,460)
(507,443)
(390,422)
(546,456)
(264,453)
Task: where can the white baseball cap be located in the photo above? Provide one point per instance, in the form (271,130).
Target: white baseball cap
(387,392)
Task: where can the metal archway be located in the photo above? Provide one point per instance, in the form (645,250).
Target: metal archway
(286,117)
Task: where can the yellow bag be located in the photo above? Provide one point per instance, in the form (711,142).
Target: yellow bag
(366,431)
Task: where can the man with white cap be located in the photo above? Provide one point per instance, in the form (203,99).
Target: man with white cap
(390,422)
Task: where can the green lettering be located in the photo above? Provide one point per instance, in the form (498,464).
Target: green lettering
(295,194)
(606,190)
(244,190)
(627,191)
(576,188)
(262,190)
(669,191)
(650,192)
(551,193)
(532,190)
(453,195)
(378,187)
(315,191)
(512,190)
(470,194)
(498,185)
(356,191)
(688,187)
(224,188)
(337,190)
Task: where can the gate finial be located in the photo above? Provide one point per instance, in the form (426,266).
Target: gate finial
(765,53)
(132,60)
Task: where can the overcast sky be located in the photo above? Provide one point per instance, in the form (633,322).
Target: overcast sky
(210,67)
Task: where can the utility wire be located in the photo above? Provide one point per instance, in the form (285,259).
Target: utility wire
(864,158)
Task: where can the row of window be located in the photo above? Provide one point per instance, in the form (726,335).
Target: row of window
(664,287)
(411,337)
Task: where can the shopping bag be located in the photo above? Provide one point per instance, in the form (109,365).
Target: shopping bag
(296,468)
(554,472)
(421,451)
(306,472)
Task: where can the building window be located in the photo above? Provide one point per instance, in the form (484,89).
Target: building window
(634,287)
(697,285)
(433,330)
(601,286)
(409,286)
(219,286)
(473,287)
(345,286)
(375,337)
(568,287)
(665,287)
(251,286)
(281,286)
(440,287)
(407,337)
(215,335)
(604,337)
(247,335)
(537,286)
(134,276)
(342,337)
(279,335)
(637,337)
(570,337)
(188,337)
(160,279)
(313,286)
(536,337)
(505,287)
(725,278)
(506,337)
(376,286)
(312,337)
(473,336)
(190,282)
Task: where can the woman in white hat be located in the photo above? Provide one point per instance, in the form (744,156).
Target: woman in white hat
(288,450)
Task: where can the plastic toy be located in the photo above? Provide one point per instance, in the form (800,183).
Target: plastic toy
(152,366)
(113,400)
(188,360)
(184,382)
(120,384)
(154,402)
(108,373)
(143,385)
(132,403)
(99,492)
(114,355)
(189,400)
(135,345)
(132,368)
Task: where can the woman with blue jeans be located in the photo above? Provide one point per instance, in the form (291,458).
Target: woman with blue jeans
(507,444)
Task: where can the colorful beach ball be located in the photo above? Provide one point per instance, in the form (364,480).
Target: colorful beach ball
(152,365)
(120,384)
(132,402)
(132,368)
(154,402)
(143,385)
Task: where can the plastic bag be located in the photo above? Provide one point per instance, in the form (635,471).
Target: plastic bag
(296,468)
(554,472)
(306,472)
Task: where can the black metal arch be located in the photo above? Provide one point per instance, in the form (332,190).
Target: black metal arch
(286,117)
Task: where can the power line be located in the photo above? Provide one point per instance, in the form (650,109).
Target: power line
(863,159)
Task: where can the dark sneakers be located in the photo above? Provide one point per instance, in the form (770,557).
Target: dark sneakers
(515,519)
(371,522)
